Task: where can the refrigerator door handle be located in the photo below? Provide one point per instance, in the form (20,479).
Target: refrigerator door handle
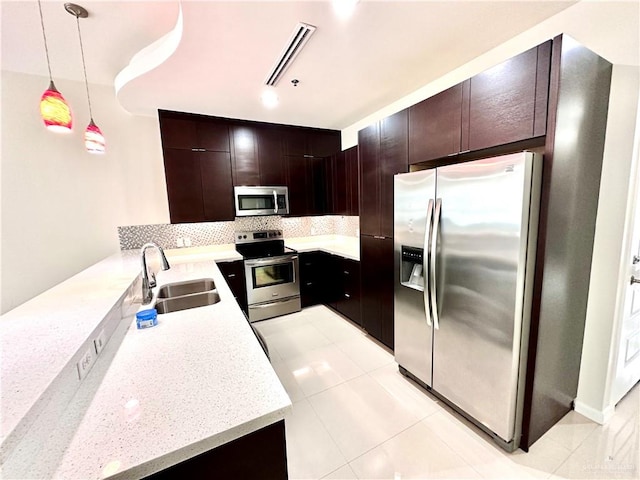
(432,263)
(425,261)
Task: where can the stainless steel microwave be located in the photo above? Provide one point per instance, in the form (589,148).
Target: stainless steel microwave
(253,201)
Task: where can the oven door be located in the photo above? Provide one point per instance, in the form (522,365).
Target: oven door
(271,278)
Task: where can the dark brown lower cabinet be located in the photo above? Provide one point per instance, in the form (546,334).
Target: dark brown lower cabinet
(233,273)
(260,454)
(348,282)
(376,294)
(314,267)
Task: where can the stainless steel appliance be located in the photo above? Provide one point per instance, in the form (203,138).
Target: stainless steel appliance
(464,239)
(271,273)
(253,201)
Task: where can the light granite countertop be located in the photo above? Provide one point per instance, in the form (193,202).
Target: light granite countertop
(154,397)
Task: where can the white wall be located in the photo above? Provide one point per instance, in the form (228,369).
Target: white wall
(611,30)
(61,205)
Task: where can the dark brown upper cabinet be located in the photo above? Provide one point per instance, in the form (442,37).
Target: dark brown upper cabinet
(369,163)
(505,104)
(311,142)
(382,152)
(198,185)
(508,102)
(435,126)
(272,164)
(244,155)
(353,183)
(394,156)
(193,133)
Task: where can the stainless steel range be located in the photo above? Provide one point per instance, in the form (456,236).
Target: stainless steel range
(271,273)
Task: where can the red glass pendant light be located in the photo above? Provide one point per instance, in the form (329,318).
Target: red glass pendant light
(93,137)
(54,110)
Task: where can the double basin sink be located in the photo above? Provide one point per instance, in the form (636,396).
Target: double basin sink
(173,297)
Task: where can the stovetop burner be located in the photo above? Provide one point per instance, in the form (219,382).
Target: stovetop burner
(261,244)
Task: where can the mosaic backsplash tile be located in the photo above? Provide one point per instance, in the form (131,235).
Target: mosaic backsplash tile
(216,233)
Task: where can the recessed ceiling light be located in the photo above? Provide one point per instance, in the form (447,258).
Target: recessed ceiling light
(344,8)
(269,98)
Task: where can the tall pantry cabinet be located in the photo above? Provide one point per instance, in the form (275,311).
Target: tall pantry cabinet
(383,152)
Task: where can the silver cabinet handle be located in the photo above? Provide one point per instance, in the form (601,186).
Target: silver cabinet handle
(231,275)
(275,202)
(634,280)
(425,261)
(432,263)
(346,295)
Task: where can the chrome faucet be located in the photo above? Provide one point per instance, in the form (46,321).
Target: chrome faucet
(149,279)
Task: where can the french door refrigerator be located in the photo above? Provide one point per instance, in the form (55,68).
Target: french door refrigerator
(464,240)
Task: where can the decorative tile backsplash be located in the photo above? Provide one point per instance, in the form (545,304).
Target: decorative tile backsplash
(216,233)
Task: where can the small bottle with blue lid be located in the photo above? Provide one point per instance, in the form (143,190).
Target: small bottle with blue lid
(147,318)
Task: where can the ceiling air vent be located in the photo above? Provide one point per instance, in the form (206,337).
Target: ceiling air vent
(300,36)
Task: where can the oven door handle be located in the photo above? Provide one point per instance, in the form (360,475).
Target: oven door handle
(271,261)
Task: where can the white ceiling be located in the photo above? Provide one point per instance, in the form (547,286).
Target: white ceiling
(347,70)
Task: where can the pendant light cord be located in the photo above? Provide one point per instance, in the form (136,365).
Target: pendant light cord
(84,68)
(46,49)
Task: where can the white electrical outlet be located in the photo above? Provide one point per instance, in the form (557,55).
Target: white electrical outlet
(86,362)
(179,242)
(99,342)
(187,242)
(313,230)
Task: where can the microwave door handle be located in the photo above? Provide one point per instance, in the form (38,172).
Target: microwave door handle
(275,202)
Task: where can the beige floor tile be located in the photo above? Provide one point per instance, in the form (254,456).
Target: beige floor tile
(360,414)
(366,353)
(414,453)
(343,473)
(405,391)
(571,430)
(322,368)
(311,452)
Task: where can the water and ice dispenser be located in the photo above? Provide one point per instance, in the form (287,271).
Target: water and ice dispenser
(411,267)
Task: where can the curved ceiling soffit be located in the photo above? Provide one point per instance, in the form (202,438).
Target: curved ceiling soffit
(149,58)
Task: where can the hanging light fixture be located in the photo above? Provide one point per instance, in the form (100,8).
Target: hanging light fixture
(54,110)
(93,138)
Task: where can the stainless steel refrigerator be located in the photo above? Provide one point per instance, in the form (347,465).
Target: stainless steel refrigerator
(464,239)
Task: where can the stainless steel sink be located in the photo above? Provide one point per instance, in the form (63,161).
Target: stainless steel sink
(178,289)
(174,304)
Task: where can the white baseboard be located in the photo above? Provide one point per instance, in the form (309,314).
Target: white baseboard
(598,416)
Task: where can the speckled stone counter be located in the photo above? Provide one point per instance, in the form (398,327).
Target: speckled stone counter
(154,397)
(348,247)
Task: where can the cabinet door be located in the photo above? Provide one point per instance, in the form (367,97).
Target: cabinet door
(339,181)
(353,183)
(272,164)
(213,136)
(178,132)
(435,126)
(376,287)
(246,170)
(184,185)
(502,102)
(394,159)
(299,178)
(329,188)
(369,164)
(217,191)
(324,143)
(233,273)
(349,301)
